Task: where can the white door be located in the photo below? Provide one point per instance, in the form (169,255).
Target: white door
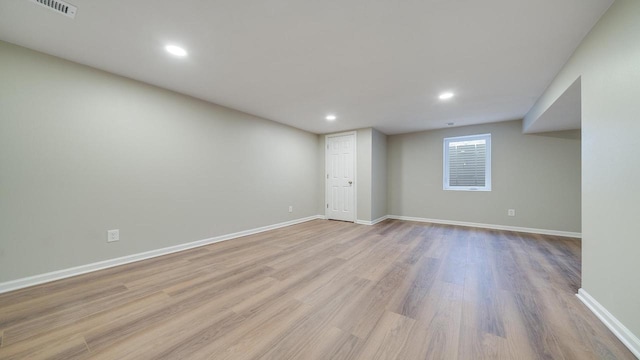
(340,176)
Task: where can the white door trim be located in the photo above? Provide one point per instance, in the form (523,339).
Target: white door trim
(355,172)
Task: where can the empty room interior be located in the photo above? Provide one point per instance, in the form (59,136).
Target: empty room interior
(319,180)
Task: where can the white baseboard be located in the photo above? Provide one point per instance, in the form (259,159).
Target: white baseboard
(373,222)
(83,269)
(620,331)
(490,226)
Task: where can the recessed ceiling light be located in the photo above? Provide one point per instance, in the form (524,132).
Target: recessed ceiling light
(176,50)
(445,96)
(331,117)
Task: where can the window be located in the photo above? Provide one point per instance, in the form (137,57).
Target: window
(467,163)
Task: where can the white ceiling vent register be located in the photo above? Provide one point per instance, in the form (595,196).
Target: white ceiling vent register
(58,6)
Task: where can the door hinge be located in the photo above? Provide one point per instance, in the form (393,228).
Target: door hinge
(327,206)
(327,176)
(327,146)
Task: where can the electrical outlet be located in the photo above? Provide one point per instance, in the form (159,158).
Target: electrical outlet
(113,235)
(511,212)
(290,208)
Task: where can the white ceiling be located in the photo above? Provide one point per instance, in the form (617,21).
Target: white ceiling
(371,62)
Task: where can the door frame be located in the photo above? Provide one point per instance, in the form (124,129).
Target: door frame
(355,173)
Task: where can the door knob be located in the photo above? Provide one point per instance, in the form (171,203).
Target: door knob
(350,182)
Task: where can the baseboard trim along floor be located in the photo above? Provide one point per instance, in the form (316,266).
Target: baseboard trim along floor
(617,328)
(489,226)
(83,269)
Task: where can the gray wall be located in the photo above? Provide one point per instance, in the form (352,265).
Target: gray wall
(363,175)
(322,185)
(83,151)
(379,175)
(608,62)
(539,176)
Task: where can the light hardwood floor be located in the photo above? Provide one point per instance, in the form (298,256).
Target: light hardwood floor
(323,290)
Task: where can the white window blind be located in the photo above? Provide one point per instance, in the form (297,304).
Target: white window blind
(467,163)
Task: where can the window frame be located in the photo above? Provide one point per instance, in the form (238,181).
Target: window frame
(446,167)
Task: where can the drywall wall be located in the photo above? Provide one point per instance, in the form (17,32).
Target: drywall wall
(538,176)
(608,62)
(322,184)
(378,175)
(83,151)
(363,174)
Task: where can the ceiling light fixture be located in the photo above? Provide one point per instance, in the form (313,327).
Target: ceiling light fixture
(450,124)
(445,96)
(176,50)
(330,117)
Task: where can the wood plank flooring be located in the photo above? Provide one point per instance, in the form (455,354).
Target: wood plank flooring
(322,290)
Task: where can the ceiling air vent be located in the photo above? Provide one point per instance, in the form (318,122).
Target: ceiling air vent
(58,6)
